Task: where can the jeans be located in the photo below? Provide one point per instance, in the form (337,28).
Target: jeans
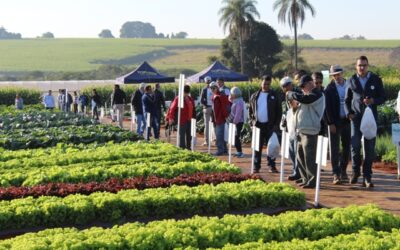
(306,153)
(158,121)
(140,124)
(185,137)
(342,136)
(207,112)
(369,150)
(238,143)
(265,133)
(221,144)
(95,112)
(292,156)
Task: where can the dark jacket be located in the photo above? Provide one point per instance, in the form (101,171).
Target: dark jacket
(274,107)
(118,97)
(137,103)
(96,98)
(332,105)
(355,95)
(203,97)
(148,104)
(159,101)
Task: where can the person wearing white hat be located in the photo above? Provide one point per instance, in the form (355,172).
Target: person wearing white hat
(339,124)
(206,101)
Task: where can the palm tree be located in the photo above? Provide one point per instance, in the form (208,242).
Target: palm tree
(293,12)
(237,16)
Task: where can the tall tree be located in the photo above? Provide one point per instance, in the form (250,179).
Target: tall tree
(236,15)
(294,13)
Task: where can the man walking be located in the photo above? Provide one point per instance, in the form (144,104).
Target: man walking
(118,99)
(339,124)
(265,113)
(149,109)
(308,124)
(365,89)
(206,101)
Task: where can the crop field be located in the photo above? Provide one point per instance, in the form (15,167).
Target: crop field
(76,55)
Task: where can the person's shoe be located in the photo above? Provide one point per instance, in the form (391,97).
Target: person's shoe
(344,177)
(239,155)
(218,154)
(336,180)
(300,180)
(293,177)
(273,170)
(301,184)
(354,178)
(205,143)
(368,183)
(308,186)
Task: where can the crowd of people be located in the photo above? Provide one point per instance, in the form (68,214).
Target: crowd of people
(304,110)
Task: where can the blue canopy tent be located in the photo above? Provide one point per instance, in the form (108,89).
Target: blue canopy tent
(218,70)
(144,73)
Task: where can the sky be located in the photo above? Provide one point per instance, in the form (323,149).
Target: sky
(199,18)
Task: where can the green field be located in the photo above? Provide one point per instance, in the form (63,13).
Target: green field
(76,55)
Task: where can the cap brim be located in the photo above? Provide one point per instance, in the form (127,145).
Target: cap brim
(335,73)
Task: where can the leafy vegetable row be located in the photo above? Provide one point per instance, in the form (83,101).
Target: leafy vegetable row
(364,239)
(103,171)
(47,137)
(204,232)
(112,153)
(116,185)
(155,203)
(42,119)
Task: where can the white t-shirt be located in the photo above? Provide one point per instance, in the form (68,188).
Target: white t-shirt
(262,108)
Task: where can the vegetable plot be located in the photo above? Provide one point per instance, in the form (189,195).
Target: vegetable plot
(158,202)
(204,232)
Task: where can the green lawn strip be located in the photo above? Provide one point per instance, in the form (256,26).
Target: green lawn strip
(205,232)
(140,204)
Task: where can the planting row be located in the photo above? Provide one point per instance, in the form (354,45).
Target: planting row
(121,153)
(149,203)
(204,232)
(364,239)
(116,185)
(42,119)
(47,137)
(86,163)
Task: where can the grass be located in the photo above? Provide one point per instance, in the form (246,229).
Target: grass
(76,55)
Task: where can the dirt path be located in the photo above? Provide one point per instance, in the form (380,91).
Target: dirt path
(385,194)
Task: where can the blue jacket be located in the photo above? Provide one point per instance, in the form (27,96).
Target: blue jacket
(355,95)
(332,105)
(148,104)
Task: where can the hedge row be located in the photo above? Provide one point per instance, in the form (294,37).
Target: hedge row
(30,96)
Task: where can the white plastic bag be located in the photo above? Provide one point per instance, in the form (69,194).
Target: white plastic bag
(398,104)
(368,124)
(273,147)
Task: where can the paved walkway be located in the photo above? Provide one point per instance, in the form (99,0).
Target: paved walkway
(386,193)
